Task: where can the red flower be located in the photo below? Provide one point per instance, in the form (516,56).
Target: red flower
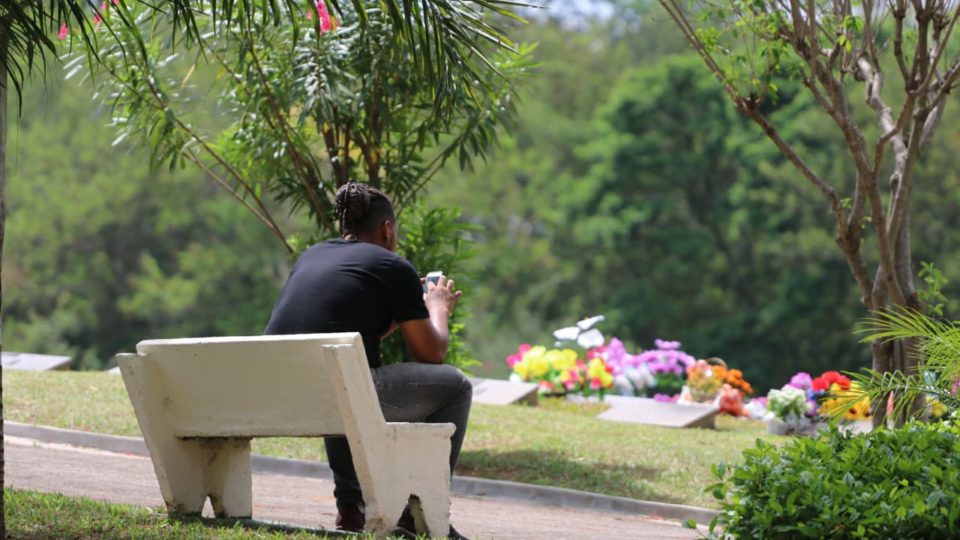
(596,352)
(828,379)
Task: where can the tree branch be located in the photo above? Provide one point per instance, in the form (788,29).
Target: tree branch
(321,205)
(266,219)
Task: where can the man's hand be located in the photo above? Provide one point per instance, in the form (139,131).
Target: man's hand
(441,297)
(428,338)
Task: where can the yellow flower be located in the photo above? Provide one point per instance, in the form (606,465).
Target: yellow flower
(522,368)
(562,360)
(596,369)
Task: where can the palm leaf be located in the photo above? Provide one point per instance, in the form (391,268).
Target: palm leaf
(460,25)
(935,344)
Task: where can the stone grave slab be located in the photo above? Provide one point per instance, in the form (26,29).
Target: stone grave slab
(499,392)
(34,362)
(657,413)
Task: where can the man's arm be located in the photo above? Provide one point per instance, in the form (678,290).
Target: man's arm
(428,338)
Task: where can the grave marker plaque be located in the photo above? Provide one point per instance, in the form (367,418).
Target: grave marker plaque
(657,413)
(498,392)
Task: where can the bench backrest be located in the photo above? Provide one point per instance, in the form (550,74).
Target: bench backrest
(263,386)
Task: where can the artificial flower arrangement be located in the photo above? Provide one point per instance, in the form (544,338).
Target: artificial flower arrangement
(584,362)
(806,399)
(564,369)
(710,381)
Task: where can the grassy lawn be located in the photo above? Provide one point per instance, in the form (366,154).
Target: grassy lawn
(556,443)
(37,516)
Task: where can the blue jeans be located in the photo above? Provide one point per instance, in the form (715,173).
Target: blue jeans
(409,392)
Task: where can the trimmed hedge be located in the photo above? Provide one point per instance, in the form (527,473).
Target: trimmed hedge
(902,483)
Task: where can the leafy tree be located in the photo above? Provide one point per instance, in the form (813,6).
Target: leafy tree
(102,252)
(524,287)
(832,47)
(303,115)
(710,247)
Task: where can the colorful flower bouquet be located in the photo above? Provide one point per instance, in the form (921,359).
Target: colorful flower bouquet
(560,371)
(584,362)
(805,400)
(709,381)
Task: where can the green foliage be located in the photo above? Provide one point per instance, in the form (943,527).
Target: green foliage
(302,111)
(674,221)
(435,239)
(102,253)
(936,346)
(886,484)
(932,293)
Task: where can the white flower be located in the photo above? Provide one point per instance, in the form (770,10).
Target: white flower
(569,333)
(583,333)
(588,323)
(590,339)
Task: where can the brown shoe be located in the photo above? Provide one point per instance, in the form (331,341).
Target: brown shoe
(350,518)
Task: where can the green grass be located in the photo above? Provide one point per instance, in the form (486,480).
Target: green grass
(37,516)
(557,443)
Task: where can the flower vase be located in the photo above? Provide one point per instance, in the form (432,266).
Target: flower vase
(778,427)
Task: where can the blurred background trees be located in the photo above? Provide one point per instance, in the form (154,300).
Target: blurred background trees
(628,186)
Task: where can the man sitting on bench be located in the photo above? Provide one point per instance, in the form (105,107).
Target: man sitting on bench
(359,284)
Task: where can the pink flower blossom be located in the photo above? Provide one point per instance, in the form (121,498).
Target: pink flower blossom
(327,22)
(596,384)
(515,358)
(664,398)
(64,31)
(97,16)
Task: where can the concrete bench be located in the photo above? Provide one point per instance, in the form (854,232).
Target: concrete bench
(199,401)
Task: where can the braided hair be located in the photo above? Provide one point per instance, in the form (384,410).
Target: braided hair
(361,209)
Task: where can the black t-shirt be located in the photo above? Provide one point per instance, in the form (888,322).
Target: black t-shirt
(348,286)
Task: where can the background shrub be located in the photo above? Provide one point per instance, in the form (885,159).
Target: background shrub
(901,483)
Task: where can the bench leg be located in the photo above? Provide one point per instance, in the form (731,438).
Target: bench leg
(229,482)
(431,514)
(382,515)
(188,470)
(177,463)
(179,468)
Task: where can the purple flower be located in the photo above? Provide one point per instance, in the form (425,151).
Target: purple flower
(664,398)
(616,356)
(801,380)
(663,344)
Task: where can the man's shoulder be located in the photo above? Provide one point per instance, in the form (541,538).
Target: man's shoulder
(369,253)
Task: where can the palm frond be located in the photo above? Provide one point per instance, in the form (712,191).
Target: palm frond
(449,38)
(934,343)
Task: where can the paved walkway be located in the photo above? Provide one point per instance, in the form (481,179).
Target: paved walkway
(305,501)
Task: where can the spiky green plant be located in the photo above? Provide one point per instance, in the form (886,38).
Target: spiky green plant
(935,344)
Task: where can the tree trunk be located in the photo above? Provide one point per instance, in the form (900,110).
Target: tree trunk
(3,217)
(882,362)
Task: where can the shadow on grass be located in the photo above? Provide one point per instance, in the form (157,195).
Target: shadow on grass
(259,526)
(255,525)
(556,469)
